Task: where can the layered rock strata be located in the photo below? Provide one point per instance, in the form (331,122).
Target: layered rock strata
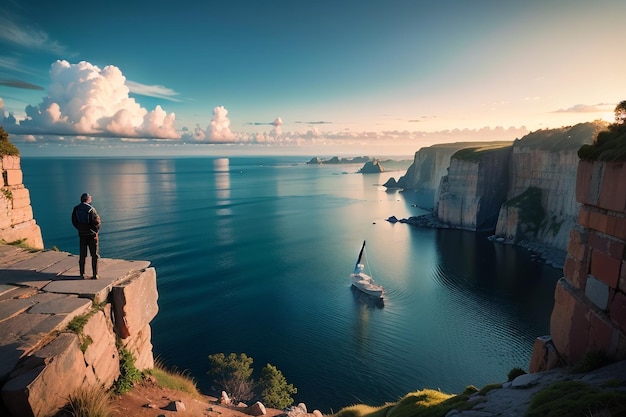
(16,214)
(589,314)
(429,165)
(42,361)
(475,188)
(541,202)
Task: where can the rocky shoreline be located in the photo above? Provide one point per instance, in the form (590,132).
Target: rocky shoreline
(551,256)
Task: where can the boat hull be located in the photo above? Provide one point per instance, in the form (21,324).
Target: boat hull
(365,284)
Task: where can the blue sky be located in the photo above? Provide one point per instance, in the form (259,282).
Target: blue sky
(308,72)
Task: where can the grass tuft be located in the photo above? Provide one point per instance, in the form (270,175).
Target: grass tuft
(89,402)
(174,379)
(571,398)
(424,403)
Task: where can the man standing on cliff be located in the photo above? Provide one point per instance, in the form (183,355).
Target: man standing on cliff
(86,220)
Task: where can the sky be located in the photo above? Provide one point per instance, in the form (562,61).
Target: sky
(349,74)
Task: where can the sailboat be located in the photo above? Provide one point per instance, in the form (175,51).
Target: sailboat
(364,282)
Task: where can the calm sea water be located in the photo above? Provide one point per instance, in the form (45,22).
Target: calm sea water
(253,255)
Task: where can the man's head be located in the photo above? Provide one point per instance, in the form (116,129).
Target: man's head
(85,198)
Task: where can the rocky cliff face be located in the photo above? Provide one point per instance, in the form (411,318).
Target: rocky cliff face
(16,214)
(541,203)
(475,187)
(589,312)
(430,164)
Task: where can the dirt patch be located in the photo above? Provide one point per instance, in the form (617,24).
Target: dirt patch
(149,400)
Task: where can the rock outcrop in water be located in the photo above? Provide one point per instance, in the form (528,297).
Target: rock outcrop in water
(372,167)
(335,160)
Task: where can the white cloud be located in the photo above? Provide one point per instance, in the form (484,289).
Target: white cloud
(83,99)
(219,128)
(28,37)
(157,91)
(278,126)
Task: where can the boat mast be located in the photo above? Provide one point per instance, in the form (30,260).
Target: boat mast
(358,261)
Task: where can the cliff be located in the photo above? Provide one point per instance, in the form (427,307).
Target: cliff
(59,333)
(589,314)
(475,187)
(541,203)
(430,164)
(16,218)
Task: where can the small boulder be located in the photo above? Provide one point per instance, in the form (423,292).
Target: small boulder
(175,406)
(225,399)
(256,409)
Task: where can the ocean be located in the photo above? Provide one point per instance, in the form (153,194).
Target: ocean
(253,255)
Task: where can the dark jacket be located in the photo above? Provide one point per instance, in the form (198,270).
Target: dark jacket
(86,220)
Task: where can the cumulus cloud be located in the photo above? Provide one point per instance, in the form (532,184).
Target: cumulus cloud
(278,126)
(86,100)
(219,128)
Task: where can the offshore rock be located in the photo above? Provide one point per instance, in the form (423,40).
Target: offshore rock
(372,167)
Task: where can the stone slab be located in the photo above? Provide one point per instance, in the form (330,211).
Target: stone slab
(11,254)
(63,305)
(18,292)
(52,323)
(12,329)
(6,289)
(94,289)
(21,277)
(14,306)
(63,265)
(40,261)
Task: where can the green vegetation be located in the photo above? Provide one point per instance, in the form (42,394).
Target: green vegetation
(129,374)
(233,374)
(7,193)
(572,398)
(78,323)
(6,147)
(489,387)
(20,242)
(609,144)
(424,403)
(514,373)
(475,154)
(531,210)
(173,379)
(276,391)
(565,138)
(89,402)
(590,362)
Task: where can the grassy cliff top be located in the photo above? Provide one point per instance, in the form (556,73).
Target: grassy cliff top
(6,147)
(564,138)
(609,145)
(475,154)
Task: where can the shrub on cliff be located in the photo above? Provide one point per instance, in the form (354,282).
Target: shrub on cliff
(609,145)
(276,391)
(6,147)
(233,374)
